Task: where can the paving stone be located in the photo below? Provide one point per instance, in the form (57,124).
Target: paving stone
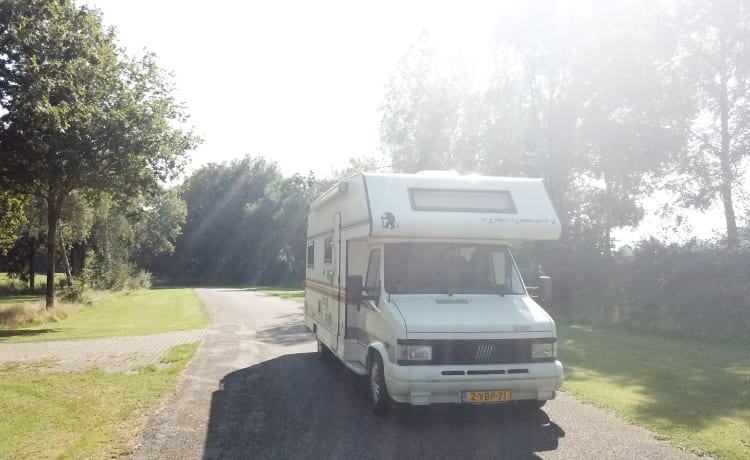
(115,354)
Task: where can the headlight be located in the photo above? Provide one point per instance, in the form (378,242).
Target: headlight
(415,352)
(543,350)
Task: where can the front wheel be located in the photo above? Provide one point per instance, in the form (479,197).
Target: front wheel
(379,397)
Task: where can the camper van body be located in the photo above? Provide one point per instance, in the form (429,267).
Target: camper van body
(442,309)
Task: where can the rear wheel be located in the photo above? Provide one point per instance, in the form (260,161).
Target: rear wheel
(379,398)
(324,353)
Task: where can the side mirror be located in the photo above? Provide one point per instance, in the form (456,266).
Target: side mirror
(354,289)
(545,289)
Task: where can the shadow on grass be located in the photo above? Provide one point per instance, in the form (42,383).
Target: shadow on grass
(679,382)
(6,333)
(297,406)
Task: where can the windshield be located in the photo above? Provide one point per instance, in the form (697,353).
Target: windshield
(420,268)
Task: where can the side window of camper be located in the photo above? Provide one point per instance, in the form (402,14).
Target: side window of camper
(311,254)
(328,250)
(373,270)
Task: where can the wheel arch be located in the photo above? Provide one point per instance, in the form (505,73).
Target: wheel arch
(379,348)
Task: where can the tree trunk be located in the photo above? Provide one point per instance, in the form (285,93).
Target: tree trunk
(607,218)
(54,204)
(726,198)
(726,169)
(32,259)
(51,250)
(727,175)
(607,236)
(64,253)
(107,252)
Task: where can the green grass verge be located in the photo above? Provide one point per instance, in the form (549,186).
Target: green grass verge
(118,314)
(692,393)
(9,300)
(14,292)
(9,285)
(298,295)
(89,414)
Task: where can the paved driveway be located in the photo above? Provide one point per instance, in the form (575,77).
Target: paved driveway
(256,390)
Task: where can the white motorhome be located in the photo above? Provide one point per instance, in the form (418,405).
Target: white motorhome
(410,281)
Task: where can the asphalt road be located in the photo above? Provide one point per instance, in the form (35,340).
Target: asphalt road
(256,390)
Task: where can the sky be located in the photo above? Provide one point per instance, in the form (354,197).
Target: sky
(301,83)
(297,82)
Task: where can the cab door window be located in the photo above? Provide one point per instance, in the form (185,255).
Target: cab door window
(372,279)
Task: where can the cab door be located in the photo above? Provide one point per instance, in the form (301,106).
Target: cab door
(372,287)
(357,314)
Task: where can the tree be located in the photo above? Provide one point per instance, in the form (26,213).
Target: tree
(603,111)
(715,55)
(420,111)
(230,222)
(287,250)
(246,224)
(21,258)
(76,220)
(12,219)
(635,110)
(537,56)
(164,215)
(358,165)
(131,234)
(80,114)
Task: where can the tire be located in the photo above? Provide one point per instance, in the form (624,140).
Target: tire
(378,392)
(324,353)
(530,405)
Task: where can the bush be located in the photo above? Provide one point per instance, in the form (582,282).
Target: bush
(76,292)
(115,274)
(700,290)
(139,280)
(697,289)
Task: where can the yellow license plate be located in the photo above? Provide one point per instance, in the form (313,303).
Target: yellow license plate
(485,396)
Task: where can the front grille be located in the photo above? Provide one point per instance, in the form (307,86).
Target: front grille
(481,352)
(473,352)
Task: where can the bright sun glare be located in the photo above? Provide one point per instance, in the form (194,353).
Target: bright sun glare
(296,82)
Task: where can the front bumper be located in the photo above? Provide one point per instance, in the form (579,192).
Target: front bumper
(421,385)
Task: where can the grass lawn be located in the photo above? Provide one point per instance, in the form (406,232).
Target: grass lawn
(118,314)
(297,295)
(12,284)
(89,414)
(15,292)
(692,393)
(20,299)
